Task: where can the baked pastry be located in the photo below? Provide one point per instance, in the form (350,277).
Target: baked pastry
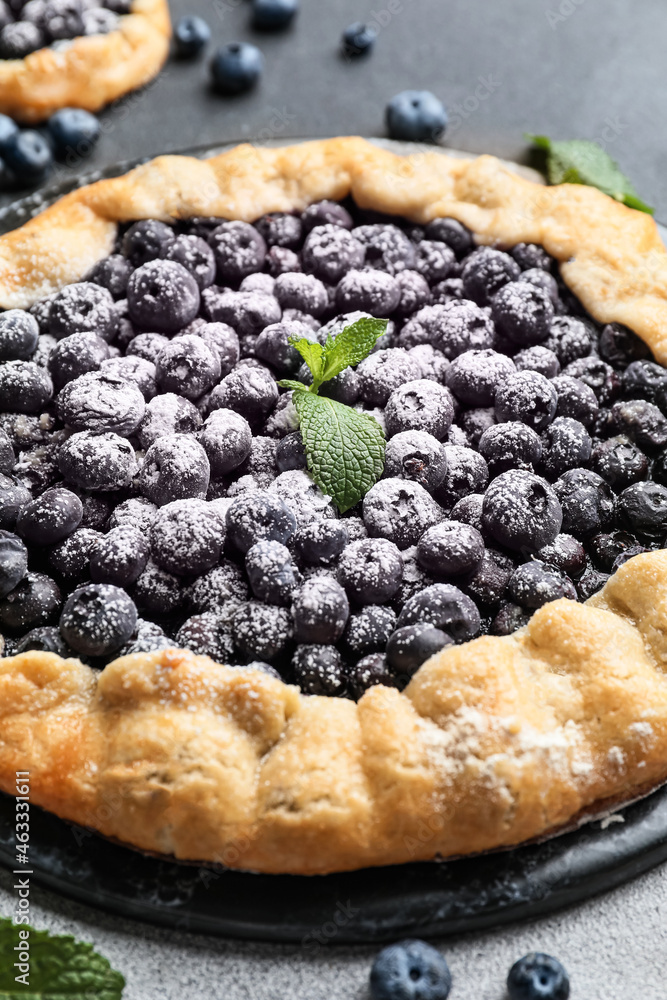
(67,54)
(521,430)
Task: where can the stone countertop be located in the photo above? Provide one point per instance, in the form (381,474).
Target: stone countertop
(568,68)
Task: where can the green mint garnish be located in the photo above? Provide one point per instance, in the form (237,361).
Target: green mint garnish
(344,448)
(578,161)
(59,967)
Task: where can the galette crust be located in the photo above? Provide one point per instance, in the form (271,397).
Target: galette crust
(91,71)
(493,743)
(610,256)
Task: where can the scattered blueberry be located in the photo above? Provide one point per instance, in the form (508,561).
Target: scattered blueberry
(272,15)
(416,116)
(98,619)
(28,155)
(410,970)
(537,976)
(236,67)
(358,39)
(73,130)
(191,35)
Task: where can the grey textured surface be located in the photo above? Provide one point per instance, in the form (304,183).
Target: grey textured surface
(614,947)
(570,68)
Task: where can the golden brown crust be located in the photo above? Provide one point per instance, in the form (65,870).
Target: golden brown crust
(493,743)
(611,256)
(90,72)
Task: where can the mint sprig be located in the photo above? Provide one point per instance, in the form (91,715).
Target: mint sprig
(578,161)
(60,967)
(344,448)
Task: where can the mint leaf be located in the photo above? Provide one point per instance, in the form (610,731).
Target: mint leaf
(313,354)
(352,345)
(578,161)
(60,967)
(344,448)
(288,383)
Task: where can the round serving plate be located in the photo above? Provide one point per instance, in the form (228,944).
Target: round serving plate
(375,904)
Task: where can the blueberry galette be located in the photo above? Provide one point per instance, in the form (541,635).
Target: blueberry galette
(77,53)
(460,648)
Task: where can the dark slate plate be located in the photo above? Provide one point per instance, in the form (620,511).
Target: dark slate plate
(375,904)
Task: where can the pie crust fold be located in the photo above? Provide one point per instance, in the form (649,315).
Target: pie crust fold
(92,70)
(494,742)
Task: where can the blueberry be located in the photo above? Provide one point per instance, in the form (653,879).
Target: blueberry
(46,639)
(410,970)
(368,672)
(509,619)
(537,359)
(358,39)
(146,346)
(326,213)
(167,414)
(8,130)
(74,356)
(344,388)
(528,397)
(239,250)
(191,35)
(530,255)
(619,462)
(642,508)
(133,369)
(642,422)
(187,367)
(383,372)
(120,556)
(98,619)
(236,67)
(158,592)
(19,334)
(51,517)
(399,510)
(291,453)
(413,291)
(523,313)
(101,403)
(643,379)
(419,405)
(273,345)
(175,467)
(13,497)
(566,553)
(467,472)
(320,542)
(374,292)
(453,328)
(570,338)
(227,439)
(163,296)
(444,606)
(587,502)
(97,461)
(474,376)
(13,562)
(433,363)
(416,116)
(280,229)
(412,645)
(33,602)
(83,307)
(261,631)
(257,517)
(453,233)
(590,582)
(272,15)
(320,610)
(575,399)
(146,240)
(469,510)
(330,251)
(488,584)
(521,511)
(619,346)
(71,557)
(24,387)
(19,39)
(371,570)
(485,272)
(318,669)
(598,376)
(537,976)
(251,392)
(450,548)
(208,634)
(196,256)
(7,456)
(510,446)
(271,572)
(535,583)
(73,130)
(566,444)
(416,455)
(369,630)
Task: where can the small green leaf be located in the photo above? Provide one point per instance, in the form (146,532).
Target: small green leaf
(313,354)
(60,967)
(344,448)
(578,161)
(288,383)
(352,345)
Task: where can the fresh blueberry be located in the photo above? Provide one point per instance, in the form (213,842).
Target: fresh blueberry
(257,517)
(369,630)
(133,369)
(590,582)
(450,548)
(330,251)
(73,130)
(227,440)
(7,455)
(510,446)
(46,639)
(112,273)
(8,131)
(619,462)
(250,392)
(642,422)
(13,497)
(446,607)
(187,367)
(167,414)
(196,256)
(374,292)
(28,155)
(19,38)
(529,256)
(24,387)
(523,313)
(159,593)
(280,229)
(101,403)
(575,399)
(163,296)
(619,346)
(510,618)
(485,272)
(13,562)
(291,452)
(522,512)
(452,232)
(261,631)
(535,583)
(488,584)
(74,356)
(326,213)
(120,556)
(385,371)
(320,610)
(272,15)
(271,572)
(642,508)
(236,67)
(273,345)
(98,619)
(51,517)
(416,455)
(467,472)
(175,467)
(19,334)
(358,39)
(71,557)
(371,570)
(320,542)
(191,35)
(598,376)
(419,405)
(474,376)
(537,359)
(146,240)
(368,672)
(208,634)
(566,553)
(528,397)
(399,510)
(537,976)
(412,645)
(83,307)
(416,116)
(33,602)
(570,338)
(318,669)
(97,461)
(566,444)
(587,502)
(410,970)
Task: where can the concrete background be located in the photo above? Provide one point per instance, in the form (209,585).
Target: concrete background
(590,69)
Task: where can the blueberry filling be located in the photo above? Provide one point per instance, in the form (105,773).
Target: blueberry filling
(154,489)
(28,26)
